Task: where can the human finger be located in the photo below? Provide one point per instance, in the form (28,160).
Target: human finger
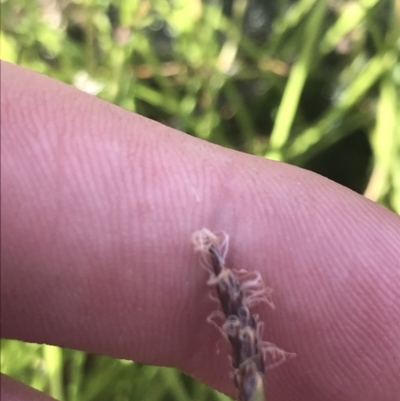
(98,206)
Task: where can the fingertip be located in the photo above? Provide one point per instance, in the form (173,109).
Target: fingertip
(13,390)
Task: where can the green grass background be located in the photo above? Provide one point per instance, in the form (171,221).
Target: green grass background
(313,83)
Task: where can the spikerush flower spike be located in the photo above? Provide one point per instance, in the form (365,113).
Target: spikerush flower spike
(237,291)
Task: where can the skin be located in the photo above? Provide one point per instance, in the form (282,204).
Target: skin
(98,206)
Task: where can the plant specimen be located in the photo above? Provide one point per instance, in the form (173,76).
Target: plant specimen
(237,291)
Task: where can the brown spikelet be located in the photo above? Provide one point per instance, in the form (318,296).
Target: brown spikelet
(237,292)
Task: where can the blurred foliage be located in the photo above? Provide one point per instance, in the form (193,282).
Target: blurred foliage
(314,83)
(77,376)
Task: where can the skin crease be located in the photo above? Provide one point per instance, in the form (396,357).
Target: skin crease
(98,207)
